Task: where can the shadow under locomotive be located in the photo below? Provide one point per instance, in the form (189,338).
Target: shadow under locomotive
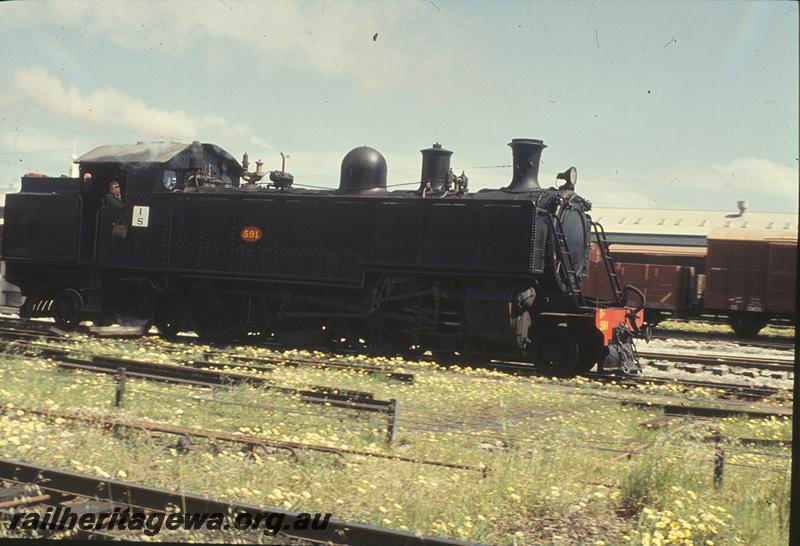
(203,245)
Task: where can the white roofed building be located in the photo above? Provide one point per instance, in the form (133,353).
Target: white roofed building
(675,227)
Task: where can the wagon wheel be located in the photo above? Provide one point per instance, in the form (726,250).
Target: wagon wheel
(67,309)
(219,317)
(554,350)
(167,313)
(747,324)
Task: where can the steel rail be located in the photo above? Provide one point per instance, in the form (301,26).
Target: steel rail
(735,389)
(8,333)
(296,362)
(6,322)
(739,390)
(707,411)
(173,373)
(30,340)
(727,338)
(779,364)
(246,439)
(128,494)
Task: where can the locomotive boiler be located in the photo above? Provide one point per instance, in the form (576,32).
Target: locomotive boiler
(204,245)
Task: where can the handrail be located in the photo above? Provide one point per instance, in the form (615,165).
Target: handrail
(571,275)
(608,260)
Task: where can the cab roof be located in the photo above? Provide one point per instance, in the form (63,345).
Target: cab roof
(145,152)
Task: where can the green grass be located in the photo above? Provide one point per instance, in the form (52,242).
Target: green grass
(552,447)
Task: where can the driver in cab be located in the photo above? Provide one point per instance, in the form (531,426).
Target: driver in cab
(114,197)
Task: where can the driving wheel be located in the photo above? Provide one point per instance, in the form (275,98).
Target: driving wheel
(67,309)
(167,313)
(554,350)
(219,317)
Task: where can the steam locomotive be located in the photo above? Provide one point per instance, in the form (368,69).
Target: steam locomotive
(205,245)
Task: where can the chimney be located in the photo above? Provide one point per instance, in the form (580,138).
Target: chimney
(742,206)
(435,168)
(527,153)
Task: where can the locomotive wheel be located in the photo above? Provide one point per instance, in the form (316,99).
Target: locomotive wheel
(219,317)
(554,350)
(262,320)
(67,309)
(381,338)
(590,351)
(748,324)
(167,311)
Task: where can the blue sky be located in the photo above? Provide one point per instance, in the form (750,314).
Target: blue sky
(666,105)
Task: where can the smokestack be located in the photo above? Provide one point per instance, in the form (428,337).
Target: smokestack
(742,206)
(527,153)
(435,167)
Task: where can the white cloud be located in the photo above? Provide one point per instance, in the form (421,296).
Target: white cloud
(334,39)
(763,184)
(109,108)
(767,176)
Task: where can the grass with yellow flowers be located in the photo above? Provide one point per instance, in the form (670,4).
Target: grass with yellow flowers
(555,451)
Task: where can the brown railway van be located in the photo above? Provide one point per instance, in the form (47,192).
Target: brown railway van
(748,275)
(752,271)
(667,275)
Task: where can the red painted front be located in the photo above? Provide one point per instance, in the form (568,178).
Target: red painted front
(607,319)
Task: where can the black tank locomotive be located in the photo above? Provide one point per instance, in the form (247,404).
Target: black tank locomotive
(205,245)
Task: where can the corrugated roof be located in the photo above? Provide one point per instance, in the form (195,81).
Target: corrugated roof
(690,222)
(754,235)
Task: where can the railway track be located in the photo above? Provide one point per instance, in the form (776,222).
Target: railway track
(253,442)
(31,487)
(775,364)
(194,374)
(295,362)
(784,345)
(190,369)
(726,389)
(733,390)
(711,412)
(777,323)
(231,360)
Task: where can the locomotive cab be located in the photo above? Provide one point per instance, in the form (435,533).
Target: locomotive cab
(58,230)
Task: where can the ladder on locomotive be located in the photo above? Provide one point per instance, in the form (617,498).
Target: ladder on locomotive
(608,260)
(567,269)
